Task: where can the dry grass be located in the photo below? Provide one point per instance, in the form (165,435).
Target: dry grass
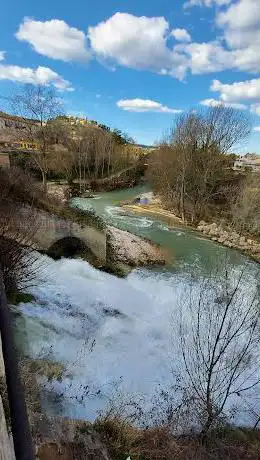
(123,440)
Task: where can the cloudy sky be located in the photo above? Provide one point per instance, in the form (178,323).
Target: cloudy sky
(134,64)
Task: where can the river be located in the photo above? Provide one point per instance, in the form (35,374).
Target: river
(118,338)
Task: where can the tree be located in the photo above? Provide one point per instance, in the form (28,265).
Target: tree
(219,336)
(96,153)
(18,223)
(122,138)
(245,210)
(194,163)
(39,106)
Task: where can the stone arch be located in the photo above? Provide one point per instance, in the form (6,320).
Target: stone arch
(71,247)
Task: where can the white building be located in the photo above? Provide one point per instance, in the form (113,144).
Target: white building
(248,161)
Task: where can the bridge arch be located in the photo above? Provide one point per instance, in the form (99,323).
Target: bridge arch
(71,247)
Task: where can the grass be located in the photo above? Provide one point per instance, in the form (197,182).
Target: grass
(123,440)
(87,217)
(44,367)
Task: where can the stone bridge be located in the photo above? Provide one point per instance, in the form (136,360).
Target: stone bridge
(58,236)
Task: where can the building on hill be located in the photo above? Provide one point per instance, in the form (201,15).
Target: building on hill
(74,121)
(249,161)
(142,149)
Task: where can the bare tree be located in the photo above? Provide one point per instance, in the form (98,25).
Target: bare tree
(193,160)
(219,334)
(245,210)
(18,223)
(96,153)
(38,105)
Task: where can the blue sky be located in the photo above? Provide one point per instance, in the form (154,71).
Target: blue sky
(135,64)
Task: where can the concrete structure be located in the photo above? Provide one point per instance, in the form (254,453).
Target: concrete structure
(52,229)
(250,161)
(6,441)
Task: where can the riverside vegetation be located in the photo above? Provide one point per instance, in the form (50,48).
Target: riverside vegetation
(219,348)
(192,174)
(85,154)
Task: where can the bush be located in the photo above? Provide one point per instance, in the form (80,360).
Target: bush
(159,443)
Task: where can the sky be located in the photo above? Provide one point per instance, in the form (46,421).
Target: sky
(135,65)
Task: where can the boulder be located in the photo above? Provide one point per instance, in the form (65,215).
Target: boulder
(234,236)
(222,239)
(242,240)
(213,227)
(214,231)
(228,244)
(134,251)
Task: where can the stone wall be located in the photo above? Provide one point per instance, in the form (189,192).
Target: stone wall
(51,228)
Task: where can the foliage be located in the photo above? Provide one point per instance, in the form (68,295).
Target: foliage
(18,224)
(19,186)
(39,105)
(52,370)
(245,211)
(64,147)
(159,443)
(17,260)
(191,168)
(82,217)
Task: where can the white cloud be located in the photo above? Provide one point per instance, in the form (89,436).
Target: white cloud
(54,39)
(144,105)
(256,128)
(144,43)
(136,42)
(241,28)
(2,55)
(241,90)
(181,35)
(131,41)
(208,3)
(240,41)
(204,57)
(216,103)
(39,76)
(241,14)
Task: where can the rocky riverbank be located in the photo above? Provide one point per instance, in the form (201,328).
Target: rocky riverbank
(224,235)
(126,251)
(230,238)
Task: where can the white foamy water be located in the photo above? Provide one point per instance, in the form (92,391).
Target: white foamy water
(110,333)
(130,320)
(120,333)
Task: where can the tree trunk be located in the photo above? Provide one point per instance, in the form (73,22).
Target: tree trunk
(182,202)
(44,180)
